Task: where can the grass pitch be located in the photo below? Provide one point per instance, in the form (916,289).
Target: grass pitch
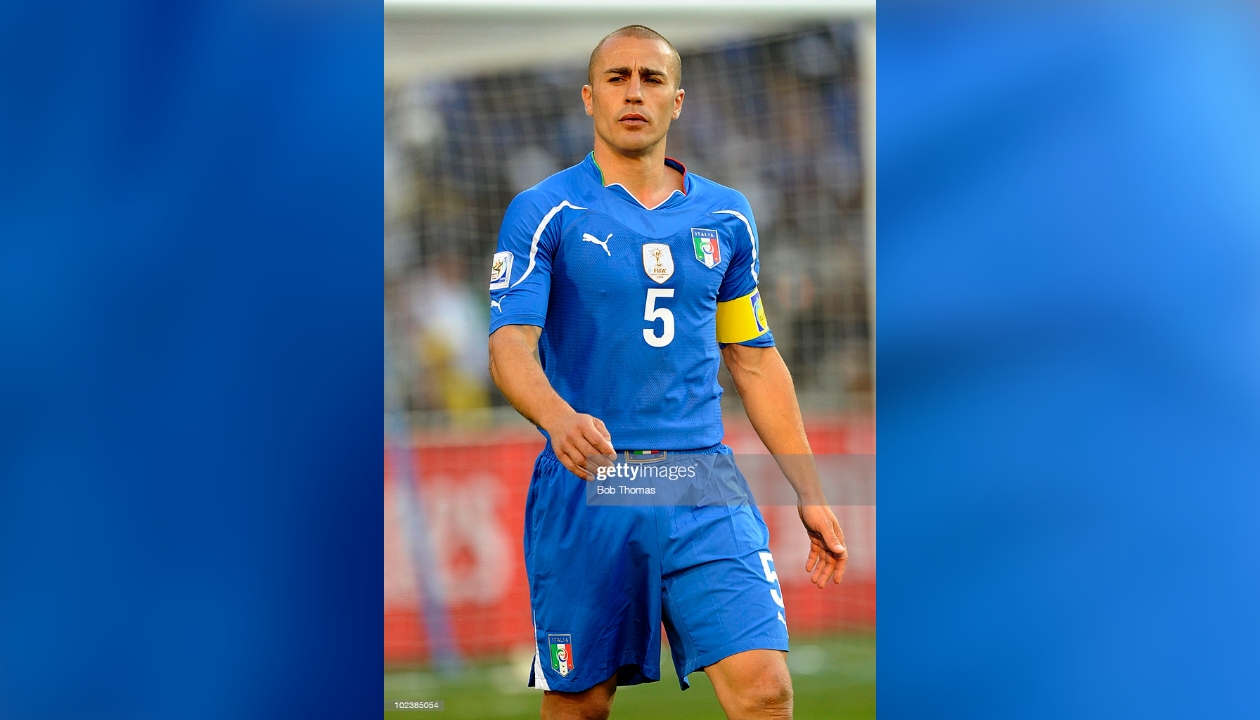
(833,677)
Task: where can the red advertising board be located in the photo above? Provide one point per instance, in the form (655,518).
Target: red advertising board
(467,513)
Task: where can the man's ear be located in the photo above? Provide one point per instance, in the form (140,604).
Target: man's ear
(678,102)
(586,100)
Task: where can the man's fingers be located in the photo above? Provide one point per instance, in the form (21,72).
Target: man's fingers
(828,556)
(590,464)
(820,568)
(566,458)
(844,560)
(601,448)
(835,568)
(823,573)
(592,459)
(831,533)
(606,446)
(834,543)
(580,471)
(825,576)
(584,446)
(833,574)
(586,451)
(842,555)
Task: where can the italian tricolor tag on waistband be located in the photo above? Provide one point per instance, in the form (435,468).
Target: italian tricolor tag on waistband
(644,455)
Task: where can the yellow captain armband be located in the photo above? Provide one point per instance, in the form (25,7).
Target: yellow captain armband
(741,319)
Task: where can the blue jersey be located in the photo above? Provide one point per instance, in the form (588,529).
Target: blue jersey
(632,301)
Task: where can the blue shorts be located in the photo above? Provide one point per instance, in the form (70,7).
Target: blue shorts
(603,578)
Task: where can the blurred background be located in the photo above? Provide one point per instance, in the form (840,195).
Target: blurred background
(481,103)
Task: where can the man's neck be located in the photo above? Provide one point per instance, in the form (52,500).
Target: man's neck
(646,176)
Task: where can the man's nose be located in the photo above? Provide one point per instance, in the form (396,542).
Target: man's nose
(634,90)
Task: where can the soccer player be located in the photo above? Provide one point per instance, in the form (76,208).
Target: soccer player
(631,277)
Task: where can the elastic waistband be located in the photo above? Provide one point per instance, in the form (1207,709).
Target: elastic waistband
(622,455)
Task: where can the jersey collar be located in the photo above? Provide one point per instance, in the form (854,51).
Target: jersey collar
(617,188)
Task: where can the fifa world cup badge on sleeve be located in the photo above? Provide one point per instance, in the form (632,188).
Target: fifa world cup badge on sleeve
(708,251)
(501,270)
(561,653)
(759,313)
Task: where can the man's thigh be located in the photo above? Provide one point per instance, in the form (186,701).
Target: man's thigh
(722,593)
(594,587)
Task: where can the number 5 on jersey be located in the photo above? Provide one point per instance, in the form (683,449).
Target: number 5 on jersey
(651,313)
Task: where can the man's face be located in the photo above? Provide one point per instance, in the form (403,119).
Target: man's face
(633,95)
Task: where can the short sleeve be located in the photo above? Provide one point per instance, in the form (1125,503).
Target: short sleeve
(520,273)
(741,311)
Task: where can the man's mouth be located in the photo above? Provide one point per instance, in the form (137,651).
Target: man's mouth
(633,119)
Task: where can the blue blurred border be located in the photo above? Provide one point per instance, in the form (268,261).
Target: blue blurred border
(190,305)
(1069,362)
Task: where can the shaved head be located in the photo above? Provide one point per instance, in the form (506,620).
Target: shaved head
(641,32)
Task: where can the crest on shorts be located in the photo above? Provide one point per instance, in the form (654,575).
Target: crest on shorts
(658,263)
(708,250)
(561,653)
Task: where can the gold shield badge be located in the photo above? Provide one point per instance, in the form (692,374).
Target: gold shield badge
(658,263)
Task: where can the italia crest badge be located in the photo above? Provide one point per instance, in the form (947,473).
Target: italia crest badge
(658,263)
(561,653)
(708,250)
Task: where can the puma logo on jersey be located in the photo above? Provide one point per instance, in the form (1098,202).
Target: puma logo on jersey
(495,304)
(587,237)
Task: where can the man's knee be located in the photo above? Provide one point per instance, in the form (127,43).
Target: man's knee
(753,684)
(769,696)
(592,704)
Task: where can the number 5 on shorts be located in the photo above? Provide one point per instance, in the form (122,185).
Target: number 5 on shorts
(772,577)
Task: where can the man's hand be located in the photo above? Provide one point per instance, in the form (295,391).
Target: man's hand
(581,442)
(827,553)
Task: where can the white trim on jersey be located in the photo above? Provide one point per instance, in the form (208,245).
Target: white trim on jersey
(753,266)
(533,248)
(645,207)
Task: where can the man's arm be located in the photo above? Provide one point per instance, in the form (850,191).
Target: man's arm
(765,385)
(575,437)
